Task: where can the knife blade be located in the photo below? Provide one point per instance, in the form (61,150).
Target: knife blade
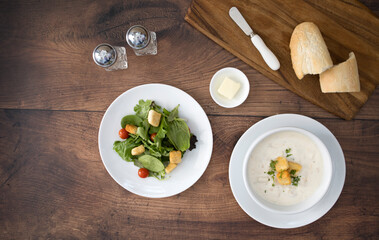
(267,55)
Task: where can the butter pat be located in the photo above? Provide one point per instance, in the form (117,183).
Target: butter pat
(229,88)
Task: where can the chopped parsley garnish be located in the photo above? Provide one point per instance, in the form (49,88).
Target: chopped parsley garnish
(295,180)
(272,164)
(273,177)
(288,150)
(271,172)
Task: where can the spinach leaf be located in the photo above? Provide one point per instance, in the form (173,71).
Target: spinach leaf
(137,163)
(164,147)
(165,150)
(143,130)
(166,112)
(153,129)
(124,148)
(161,133)
(173,114)
(156,149)
(178,134)
(153,150)
(156,107)
(151,163)
(142,108)
(131,119)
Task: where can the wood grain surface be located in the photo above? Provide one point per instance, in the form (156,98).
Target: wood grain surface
(53,184)
(346,27)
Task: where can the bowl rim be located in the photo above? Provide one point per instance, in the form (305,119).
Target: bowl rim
(244,79)
(328,169)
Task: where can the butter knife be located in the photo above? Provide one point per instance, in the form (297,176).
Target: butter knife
(267,55)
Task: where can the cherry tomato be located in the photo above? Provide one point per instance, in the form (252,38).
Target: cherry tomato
(123,134)
(152,136)
(143,172)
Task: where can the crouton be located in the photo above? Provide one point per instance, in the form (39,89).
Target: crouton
(154,118)
(131,128)
(138,150)
(170,167)
(294,166)
(282,164)
(283,177)
(175,157)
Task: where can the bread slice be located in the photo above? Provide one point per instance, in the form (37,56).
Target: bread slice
(309,53)
(343,77)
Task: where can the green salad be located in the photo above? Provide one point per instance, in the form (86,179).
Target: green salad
(155,139)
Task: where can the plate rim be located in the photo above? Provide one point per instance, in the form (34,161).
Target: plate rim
(336,192)
(208,127)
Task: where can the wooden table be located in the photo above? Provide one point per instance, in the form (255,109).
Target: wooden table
(53,184)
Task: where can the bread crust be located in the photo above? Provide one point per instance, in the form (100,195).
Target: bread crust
(309,53)
(343,77)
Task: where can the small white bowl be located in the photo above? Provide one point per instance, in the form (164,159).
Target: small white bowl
(235,75)
(311,200)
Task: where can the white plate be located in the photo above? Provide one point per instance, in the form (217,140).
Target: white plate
(193,163)
(278,220)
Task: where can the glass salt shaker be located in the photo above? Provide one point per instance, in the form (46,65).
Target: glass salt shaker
(110,57)
(142,41)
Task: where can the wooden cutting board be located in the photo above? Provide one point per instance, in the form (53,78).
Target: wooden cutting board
(347,26)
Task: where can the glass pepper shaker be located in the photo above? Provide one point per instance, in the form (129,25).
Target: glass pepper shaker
(110,57)
(142,41)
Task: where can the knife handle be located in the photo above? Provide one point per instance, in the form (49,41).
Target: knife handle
(266,53)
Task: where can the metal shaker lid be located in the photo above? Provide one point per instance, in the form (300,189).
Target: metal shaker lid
(104,55)
(138,37)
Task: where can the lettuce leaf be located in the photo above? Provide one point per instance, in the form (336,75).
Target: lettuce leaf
(161,133)
(151,163)
(178,134)
(173,114)
(131,119)
(143,130)
(124,148)
(142,108)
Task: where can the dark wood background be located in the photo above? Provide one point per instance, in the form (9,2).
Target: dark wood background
(53,184)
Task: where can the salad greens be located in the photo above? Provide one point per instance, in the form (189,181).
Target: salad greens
(172,134)
(131,119)
(178,134)
(151,163)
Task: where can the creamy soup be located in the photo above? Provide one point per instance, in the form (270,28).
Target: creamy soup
(304,151)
